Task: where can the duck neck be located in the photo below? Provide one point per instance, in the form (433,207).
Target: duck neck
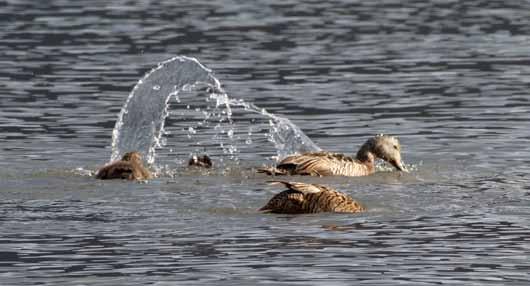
(366,157)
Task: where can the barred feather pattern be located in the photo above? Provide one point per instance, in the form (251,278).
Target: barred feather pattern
(320,164)
(335,164)
(311,198)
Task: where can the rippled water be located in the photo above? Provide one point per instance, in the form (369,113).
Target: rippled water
(450,78)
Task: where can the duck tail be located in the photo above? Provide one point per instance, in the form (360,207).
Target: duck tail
(271,171)
(265,209)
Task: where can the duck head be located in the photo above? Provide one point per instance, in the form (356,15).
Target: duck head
(384,147)
(132,157)
(200,161)
(387,148)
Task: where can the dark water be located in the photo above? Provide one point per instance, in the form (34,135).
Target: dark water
(450,78)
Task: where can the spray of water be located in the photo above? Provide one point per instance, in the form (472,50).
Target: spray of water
(199,107)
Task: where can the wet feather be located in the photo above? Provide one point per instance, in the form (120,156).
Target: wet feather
(130,167)
(310,198)
(336,164)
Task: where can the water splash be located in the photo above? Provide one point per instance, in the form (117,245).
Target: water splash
(200,107)
(141,120)
(286,136)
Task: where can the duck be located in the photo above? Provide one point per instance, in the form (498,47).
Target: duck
(301,198)
(325,163)
(130,167)
(200,161)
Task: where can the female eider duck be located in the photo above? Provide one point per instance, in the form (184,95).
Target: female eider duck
(335,164)
(310,198)
(129,167)
(200,161)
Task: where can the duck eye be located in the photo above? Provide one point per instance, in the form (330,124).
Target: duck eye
(396,147)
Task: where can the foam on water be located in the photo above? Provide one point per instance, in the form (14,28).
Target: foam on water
(203,108)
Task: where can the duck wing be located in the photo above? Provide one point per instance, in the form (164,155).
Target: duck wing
(301,187)
(310,198)
(318,164)
(291,201)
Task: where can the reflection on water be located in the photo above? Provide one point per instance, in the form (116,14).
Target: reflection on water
(450,78)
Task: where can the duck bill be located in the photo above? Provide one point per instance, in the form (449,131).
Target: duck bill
(399,165)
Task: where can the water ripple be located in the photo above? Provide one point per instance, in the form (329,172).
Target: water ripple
(450,78)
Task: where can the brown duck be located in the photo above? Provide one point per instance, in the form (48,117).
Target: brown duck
(310,198)
(200,161)
(130,167)
(335,164)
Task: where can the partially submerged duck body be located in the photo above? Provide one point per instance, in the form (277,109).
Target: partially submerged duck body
(335,164)
(200,161)
(130,167)
(303,198)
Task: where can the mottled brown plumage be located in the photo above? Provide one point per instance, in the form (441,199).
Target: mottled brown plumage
(130,167)
(200,161)
(310,198)
(335,164)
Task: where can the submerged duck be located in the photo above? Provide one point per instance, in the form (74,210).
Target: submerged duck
(335,164)
(129,167)
(200,161)
(310,198)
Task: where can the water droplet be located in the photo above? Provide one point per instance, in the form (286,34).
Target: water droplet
(216,113)
(187,87)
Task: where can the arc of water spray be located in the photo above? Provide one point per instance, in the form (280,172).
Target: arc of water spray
(141,120)
(140,124)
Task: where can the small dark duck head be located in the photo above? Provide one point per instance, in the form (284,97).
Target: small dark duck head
(200,161)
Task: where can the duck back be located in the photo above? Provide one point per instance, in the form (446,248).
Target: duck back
(311,198)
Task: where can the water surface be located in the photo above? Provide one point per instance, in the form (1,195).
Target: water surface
(450,78)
